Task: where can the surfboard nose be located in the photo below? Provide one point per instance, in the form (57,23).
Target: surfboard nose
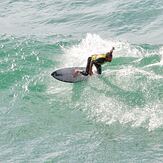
(55,74)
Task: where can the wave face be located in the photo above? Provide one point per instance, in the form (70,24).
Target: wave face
(115,117)
(130,88)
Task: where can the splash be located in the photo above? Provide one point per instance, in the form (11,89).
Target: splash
(94,44)
(129,91)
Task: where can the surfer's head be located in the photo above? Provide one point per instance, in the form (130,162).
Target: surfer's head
(108,57)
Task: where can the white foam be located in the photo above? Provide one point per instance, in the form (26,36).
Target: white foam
(94,44)
(113,108)
(109,110)
(161,53)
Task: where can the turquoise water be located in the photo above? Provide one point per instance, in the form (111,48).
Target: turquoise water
(117,117)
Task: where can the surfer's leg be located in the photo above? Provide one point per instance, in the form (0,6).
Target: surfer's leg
(88,65)
(86,72)
(99,69)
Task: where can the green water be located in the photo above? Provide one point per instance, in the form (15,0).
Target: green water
(117,117)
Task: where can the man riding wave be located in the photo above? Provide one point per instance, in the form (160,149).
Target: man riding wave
(97,60)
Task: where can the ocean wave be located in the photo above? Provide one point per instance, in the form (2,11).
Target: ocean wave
(128,92)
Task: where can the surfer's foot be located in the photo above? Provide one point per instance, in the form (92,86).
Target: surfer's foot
(84,73)
(76,73)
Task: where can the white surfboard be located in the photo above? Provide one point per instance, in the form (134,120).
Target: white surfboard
(69,75)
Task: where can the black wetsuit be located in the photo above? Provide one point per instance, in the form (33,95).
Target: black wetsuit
(97,61)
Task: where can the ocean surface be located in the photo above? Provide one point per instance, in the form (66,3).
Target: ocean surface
(113,118)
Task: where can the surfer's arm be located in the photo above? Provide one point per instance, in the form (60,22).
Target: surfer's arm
(109,55)
(111,51)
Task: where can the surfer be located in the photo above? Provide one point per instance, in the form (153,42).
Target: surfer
(97,60)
